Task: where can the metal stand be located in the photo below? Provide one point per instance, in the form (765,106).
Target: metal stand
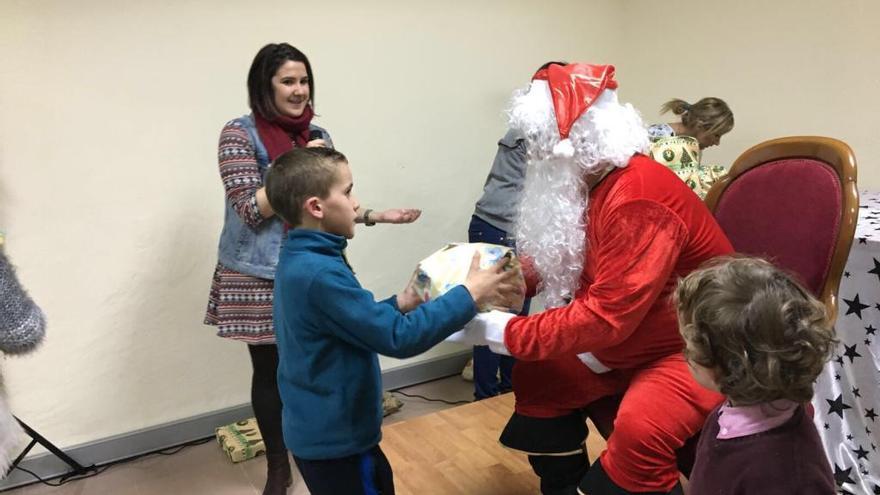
(36,438)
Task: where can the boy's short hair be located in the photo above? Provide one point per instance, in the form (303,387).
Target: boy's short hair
(298,175)
(763,333)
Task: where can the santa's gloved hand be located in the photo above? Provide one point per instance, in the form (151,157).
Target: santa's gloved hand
(485,329)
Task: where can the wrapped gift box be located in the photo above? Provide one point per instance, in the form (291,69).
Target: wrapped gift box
(676,151)
(449,267)
(682,155)
(241,440)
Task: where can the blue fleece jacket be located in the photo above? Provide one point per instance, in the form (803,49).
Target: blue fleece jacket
(329,330)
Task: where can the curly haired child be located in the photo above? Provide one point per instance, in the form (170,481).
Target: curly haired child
(758,337)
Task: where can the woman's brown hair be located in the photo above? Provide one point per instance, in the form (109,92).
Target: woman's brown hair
(261,95)
(710,114)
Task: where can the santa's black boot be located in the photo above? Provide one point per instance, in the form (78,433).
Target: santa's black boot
(559,474)
(597,482)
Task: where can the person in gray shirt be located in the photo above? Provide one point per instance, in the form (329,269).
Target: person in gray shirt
(493,222)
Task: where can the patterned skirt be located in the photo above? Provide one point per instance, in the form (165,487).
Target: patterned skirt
(240,306)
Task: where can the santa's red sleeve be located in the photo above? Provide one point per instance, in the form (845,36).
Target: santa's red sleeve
(637,250)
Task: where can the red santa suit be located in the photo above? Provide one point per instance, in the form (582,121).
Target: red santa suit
(618,335)
(645,230)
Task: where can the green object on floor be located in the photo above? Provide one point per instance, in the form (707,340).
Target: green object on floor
(390,404)
(241,440)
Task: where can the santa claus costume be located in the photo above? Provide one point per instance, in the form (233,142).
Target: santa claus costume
(607,232)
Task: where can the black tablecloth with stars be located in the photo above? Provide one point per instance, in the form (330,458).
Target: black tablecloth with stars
(847,398)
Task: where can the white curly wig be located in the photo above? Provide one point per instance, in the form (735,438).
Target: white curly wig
(551,224)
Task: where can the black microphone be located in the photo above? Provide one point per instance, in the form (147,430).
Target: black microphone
(315,134)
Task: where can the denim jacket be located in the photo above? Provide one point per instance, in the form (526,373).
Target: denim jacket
(246,250)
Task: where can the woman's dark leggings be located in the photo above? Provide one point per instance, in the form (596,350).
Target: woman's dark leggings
(265,398)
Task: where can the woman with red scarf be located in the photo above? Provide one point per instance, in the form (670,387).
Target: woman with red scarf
(281,91)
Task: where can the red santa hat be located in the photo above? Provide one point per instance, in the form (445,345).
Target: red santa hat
(574,87)
(574,126)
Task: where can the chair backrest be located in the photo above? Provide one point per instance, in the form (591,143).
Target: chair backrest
(793,201)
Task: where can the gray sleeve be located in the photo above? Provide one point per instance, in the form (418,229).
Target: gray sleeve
(22,323)
(503,186)
(511,156)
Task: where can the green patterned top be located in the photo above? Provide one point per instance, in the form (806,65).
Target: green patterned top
(682,155)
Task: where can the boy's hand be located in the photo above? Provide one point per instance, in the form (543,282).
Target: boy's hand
(409,300)
(316,143)
(495,286)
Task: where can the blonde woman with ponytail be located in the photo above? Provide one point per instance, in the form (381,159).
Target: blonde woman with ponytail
(706,121)
(679,145)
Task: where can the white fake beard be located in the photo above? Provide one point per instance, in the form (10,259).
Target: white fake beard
(551,225)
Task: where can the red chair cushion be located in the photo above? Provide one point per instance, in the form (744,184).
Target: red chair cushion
(790,208)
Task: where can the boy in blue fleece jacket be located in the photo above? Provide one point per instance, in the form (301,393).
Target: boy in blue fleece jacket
(329,329)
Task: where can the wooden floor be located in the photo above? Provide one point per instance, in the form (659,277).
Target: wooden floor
(434,449)
(456,451)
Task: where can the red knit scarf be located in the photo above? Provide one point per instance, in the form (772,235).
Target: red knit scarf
(279,134)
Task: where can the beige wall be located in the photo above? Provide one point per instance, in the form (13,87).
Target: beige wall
(109,193)
(789,67)
(110,112)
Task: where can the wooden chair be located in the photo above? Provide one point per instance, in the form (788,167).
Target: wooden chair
(794,201)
